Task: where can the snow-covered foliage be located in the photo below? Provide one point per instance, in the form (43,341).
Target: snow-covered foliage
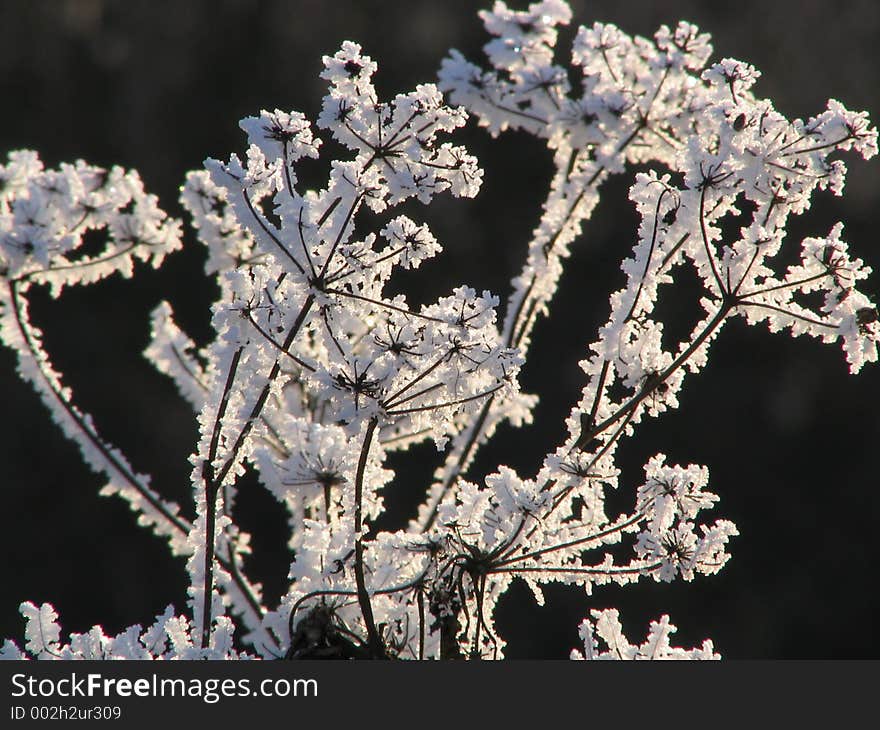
(316,372)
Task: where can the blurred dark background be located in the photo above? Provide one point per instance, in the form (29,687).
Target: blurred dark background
(789,437)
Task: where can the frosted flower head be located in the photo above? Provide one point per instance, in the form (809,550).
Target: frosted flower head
(597,43)
(737,76)
(320,457)
(685,47)
(350,70)
(409,242)
(674,550)
(281,134)
(673,492)
(397,142)
(849,129)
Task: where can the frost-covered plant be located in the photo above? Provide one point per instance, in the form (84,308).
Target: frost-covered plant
(316,372)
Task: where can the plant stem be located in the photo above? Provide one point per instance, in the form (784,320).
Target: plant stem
(375,643)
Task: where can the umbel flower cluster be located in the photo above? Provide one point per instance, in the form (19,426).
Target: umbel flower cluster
(316,372)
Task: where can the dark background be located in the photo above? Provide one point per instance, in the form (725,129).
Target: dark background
(789,437)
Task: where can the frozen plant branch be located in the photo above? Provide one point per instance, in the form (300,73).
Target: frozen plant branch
(316,372)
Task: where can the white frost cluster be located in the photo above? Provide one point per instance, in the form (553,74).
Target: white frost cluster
(656,646)
(169,638)
(317,372)
(44,218)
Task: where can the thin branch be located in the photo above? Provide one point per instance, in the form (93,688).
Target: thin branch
(802,318)
(706,246)
(214,479)
(638,293)
(80,420)
(211,492)
(386,305)
(79,264)
(654,383)
(579,571)
(434,406)
(618,527)
(785,285)
(302,363)
(348,216)
(259,219)
(375,642)
(817,147)
(264,394)
(389,401)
